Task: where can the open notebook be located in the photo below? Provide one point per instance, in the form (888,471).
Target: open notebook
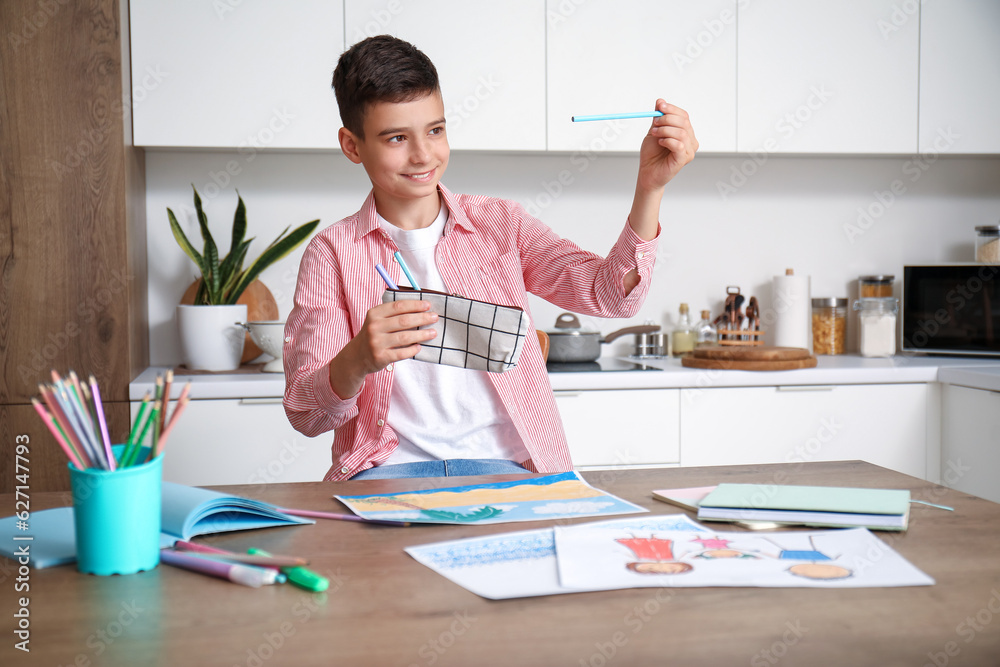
(187,511)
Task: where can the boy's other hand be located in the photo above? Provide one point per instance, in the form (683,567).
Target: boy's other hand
(667,147)
(389,334)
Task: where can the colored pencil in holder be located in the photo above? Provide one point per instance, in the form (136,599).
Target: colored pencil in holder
(167,382)
(56,433)
(158,396)
(130,457)
(136,425)
(60,417)
(65,396)
(182,402)
(102,422)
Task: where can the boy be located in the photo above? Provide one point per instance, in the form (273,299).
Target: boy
(347,360)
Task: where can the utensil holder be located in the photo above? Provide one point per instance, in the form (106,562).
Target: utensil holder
(741,337)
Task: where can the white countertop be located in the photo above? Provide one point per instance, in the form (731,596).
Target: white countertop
(972,372)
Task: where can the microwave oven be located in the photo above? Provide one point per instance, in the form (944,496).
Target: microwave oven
(951,309)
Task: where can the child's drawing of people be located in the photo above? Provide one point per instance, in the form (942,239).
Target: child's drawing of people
(656,556)
(715,548)
(819,565)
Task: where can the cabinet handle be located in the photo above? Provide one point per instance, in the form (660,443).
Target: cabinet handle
(807,387)
(566,394)
(260,401)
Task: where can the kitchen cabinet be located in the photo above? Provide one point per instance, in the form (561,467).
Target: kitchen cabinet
(621,428)
(490,58)
(246,75)
(970,455)
(622,56)
(883,424)
(241,441)
(828,77)
(959,76)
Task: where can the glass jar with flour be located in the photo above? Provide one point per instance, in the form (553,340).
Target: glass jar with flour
(877,318)
(988,244)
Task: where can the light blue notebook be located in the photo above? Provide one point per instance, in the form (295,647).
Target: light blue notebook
(187,511)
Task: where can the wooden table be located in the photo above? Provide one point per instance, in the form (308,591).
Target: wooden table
(383,608)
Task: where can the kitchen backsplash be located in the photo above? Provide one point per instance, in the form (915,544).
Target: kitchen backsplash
(727,220)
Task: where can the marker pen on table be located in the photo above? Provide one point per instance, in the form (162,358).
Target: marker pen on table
(255,577)
(299,576)
(184,545)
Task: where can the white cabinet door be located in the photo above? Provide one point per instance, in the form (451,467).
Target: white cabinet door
(970,444)
(882,424)
(827,76)
(246,441)
(226,74)
(490,58)
(959,76)
(606,57)
(621,428)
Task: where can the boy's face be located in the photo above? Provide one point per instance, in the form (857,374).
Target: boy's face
(405,150)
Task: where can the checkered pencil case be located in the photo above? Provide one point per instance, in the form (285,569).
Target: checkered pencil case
(471,334)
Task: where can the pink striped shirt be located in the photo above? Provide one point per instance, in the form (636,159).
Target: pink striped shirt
(491,250)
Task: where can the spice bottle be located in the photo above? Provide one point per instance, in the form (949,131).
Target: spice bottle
(988,244)
(705,331)
(683,335)
(878,326)
(829,325)
(870,287)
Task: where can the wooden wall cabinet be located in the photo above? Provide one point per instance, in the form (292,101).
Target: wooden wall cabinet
(72,219)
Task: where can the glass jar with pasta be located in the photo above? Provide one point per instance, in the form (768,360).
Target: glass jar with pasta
(829,325)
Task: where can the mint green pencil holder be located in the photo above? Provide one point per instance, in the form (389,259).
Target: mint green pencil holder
(117,516)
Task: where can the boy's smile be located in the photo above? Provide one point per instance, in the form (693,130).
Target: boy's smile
(405,152)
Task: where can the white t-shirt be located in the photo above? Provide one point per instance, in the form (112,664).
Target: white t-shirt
(443,412)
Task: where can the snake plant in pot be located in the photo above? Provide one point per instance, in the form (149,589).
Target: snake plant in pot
(211,338)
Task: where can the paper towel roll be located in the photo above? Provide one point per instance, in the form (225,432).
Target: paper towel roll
(790,300)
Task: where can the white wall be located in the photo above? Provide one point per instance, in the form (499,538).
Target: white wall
(720,227)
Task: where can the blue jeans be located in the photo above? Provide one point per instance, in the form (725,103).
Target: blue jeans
(446,468)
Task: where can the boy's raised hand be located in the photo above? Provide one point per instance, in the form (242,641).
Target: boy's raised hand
(389,334)
(667,147)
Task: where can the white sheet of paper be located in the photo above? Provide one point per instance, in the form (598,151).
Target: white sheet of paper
(591,557)
(523,563)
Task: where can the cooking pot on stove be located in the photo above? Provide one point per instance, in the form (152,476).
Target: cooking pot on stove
(570,342)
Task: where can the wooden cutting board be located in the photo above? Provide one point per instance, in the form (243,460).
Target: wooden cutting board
(750,358)
(750,353)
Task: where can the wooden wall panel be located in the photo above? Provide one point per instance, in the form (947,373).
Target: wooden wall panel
(46,461)
(72,240)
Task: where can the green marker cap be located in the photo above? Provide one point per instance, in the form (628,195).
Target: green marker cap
(306,579)
(299,576)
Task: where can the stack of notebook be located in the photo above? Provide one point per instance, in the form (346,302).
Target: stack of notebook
(825,506)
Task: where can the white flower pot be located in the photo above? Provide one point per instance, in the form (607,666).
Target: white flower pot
(211,338)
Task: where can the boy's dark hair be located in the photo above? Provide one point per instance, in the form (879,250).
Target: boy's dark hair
(380,69)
